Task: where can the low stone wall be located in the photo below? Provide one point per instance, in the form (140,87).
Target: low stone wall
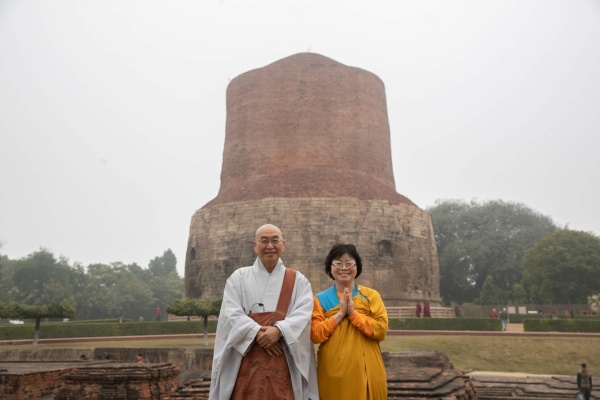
(185,359)
(199,360)
(409,312)
(119,381)
(29,385)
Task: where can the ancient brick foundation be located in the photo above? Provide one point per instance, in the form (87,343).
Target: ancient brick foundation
(119,381)
(70,380)
(28,384)
(416,374)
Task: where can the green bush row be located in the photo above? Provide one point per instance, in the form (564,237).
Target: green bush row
(446,324)
(73,329)
(519,318)
(50,330)
(587,325)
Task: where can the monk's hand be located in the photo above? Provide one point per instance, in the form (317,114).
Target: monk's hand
(267,336)
(275,350)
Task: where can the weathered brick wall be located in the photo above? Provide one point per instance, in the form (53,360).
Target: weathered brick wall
(395,241)
(307,148)
(307,126)
(30,385)
(119,381)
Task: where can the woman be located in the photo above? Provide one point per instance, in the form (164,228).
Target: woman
(349,321)
(584,382)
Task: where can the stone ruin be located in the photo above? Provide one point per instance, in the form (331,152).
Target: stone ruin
(414,374)
(307,148)
(423,374)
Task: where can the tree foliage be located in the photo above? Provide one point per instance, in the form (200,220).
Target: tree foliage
(563,268)
(476,240)
(491,294)
(40,278)
(98,291)
(37,312)
(164,265)
(193,307)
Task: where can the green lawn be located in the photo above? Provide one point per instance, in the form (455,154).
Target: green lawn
(534,355)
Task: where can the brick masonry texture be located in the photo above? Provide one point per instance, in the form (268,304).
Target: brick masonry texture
(395,242)
(307,148)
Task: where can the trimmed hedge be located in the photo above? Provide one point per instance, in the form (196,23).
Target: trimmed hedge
(587,325)
(52,330)
(519,318)
(445,324)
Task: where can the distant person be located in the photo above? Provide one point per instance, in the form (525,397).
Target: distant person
(418,311)
(504,318)
(554,316)
(494,313)
(458,312)
(158,313)
(540,313)
(139,358)
(426,310)
(584,382)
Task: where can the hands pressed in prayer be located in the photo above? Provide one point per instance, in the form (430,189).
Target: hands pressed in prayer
(346,303)
(349,302)
(346,306)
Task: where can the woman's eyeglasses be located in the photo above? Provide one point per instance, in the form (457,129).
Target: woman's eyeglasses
(347,264)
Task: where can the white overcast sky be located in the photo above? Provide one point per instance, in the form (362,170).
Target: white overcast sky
(112,113)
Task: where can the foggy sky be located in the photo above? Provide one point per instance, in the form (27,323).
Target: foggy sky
(112,113)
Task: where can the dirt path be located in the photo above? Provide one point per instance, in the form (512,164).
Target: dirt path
(514,328)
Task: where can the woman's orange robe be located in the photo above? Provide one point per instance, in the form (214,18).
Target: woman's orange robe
(349,363)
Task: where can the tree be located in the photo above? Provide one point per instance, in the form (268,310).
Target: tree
(164,265)
(132,291)
(96,295)
(563,268)
(193,307)
(491,294)
(4,289)
(3,260)
(167,289)
(37,311)
(165,282)
(519,294)
(40,279)
(475,241)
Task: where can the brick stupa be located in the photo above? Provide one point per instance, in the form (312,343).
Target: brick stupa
(307,148)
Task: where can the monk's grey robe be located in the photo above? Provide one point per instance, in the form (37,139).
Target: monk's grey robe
(245,289)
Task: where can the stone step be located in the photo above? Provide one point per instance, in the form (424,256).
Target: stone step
(502,387)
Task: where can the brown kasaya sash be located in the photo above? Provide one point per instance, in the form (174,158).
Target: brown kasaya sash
(263,376)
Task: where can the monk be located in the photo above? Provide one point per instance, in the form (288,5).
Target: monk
(262,346)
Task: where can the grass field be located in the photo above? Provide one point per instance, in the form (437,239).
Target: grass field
(532,355)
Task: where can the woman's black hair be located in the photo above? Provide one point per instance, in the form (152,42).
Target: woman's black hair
(338,250)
